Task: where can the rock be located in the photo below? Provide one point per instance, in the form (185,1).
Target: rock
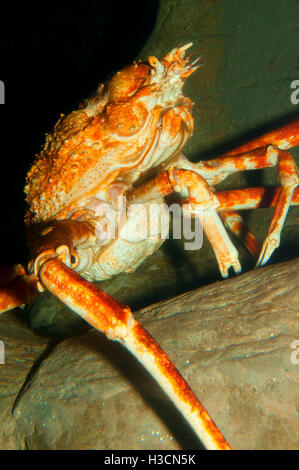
(231,340)
(23,350)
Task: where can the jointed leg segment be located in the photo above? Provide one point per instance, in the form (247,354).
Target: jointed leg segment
(288,176)
(16,287)
(200,178)
(235,224)
(203,202)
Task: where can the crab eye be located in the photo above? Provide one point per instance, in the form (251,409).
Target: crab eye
(153,61)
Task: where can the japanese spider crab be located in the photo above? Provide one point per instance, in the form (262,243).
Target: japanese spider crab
(134,127)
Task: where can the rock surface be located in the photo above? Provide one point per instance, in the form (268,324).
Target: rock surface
(231,340)
(22,350)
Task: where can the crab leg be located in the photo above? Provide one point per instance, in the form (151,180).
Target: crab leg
(117,323)
(284,137)
(216,170)
(267,150)
(234,222)
(19,288)
(183,175)
(288,175)
(262,152)
(201,198)
(251,198)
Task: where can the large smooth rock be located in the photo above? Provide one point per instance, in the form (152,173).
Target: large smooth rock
(231,340)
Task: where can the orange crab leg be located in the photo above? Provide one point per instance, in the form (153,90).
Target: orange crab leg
(187,174)
(251,159)
(284,137)
(117,322)
(18,289)
(234,222)
(288,175)
(216,170)
(251,198)
(201,198)
(248,198)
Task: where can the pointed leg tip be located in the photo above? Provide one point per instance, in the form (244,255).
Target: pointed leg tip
(270,244)
(235,265)
(263,258)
